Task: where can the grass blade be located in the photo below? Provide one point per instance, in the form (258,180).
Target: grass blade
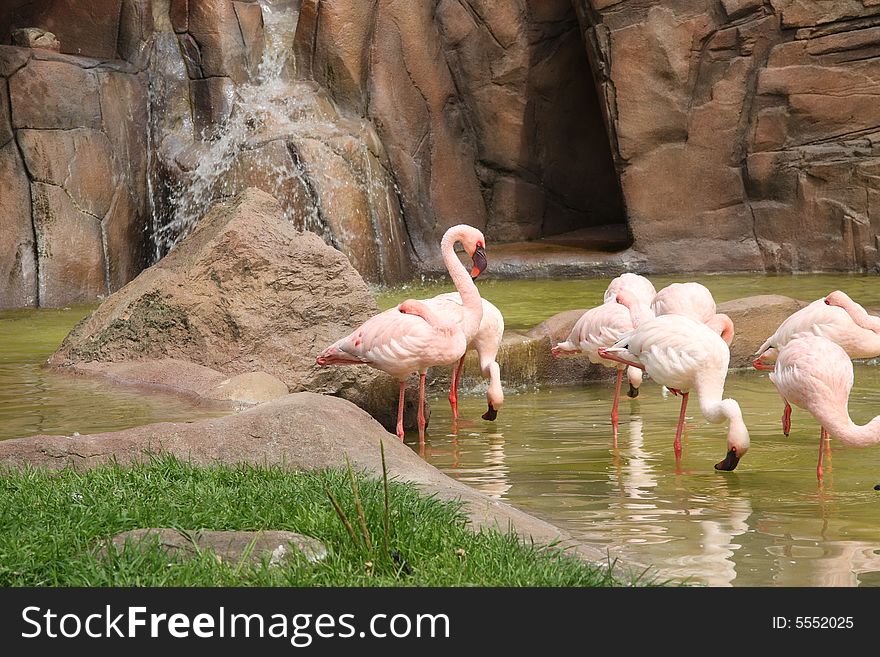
(358,507)
(342,516)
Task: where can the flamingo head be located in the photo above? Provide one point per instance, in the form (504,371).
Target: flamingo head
(475,246)
(495,394)
(737,437)
(838,298)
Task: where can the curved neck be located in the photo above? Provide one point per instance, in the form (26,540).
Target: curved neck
(712,406)
(472,311)
(723,325)
(860,316)
(839,424)
(638,312)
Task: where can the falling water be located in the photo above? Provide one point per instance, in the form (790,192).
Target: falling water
(269,107)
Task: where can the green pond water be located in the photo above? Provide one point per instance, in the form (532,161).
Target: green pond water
(550,451)
(34,400)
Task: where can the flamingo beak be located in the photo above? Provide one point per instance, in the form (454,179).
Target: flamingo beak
(729,462)
(479,261)
(761,366)
(633,392)
(491,414)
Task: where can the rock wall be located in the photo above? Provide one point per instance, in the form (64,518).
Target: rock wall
(487,110)
(73,157)
(758,120)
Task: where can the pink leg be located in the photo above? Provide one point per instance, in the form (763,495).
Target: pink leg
(421,407)
(400,410)
(822,435)
(453,388)
(680,429)
(786,419)
(616,404)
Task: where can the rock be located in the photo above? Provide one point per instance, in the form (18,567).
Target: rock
(69,246)
(18,267)
(275,547)
(755,319)
(34,37)
(557,327)
(213,99)
(54,94)
(244,292)
(215,27)
(302,431)
(88,29)
(251,387)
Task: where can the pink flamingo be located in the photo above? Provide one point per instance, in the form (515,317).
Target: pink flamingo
(412,337)
(486,341)
(695,301)
(835,317)
(643,290)
(639,286)
(601,327)
(684,354)
(816,374)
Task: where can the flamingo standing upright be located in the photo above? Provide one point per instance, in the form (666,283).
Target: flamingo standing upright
(835,317)
(816,374)
(412,337)
(643,290)
(486,341)
(684,354)
(601,327)
(693,300)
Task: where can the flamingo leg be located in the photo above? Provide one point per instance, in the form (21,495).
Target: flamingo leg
(819,471)
(422,422)
(616,403)
(786,419)
(680,429)
(453,388)
(400,410)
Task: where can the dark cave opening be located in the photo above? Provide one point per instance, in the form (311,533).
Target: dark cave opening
(570,147)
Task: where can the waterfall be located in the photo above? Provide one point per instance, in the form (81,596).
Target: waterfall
(285,136)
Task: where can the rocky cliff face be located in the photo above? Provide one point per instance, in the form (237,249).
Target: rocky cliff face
(710,134)
(758,121)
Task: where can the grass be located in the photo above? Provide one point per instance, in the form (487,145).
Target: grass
(53,524)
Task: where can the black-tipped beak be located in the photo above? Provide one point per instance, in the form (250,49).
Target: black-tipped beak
(633,392)
(491,414)
(479,261)
(826,301)
(729,462)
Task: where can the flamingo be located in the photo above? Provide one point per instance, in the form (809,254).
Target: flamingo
(816,374)
(835,317)
(601,327)
(643,290)
(486,341)
(693,300)
(684,354)
(412,337)
(638,285)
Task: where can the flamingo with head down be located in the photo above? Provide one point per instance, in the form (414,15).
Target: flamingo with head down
(601,327)
(413,337)
(835,317)
(684,354)
(816,374)
(486,341)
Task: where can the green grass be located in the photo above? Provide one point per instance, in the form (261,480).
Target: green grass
(53,524)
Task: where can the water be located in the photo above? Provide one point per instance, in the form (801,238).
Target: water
(527,303)
(767,523)
(37,401)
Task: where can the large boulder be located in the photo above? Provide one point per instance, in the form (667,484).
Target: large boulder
(244,292)
(755,319)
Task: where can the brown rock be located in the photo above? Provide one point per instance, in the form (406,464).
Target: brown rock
(245,291)
(212,102)
(274,547)
(18,273)
(557,327)
(5,120)
(123,228)
(54,94)
(136,28)
(250,21)
(83,28)
(754,320)
(34,37)
(214,26)
(124,109)
(70,254)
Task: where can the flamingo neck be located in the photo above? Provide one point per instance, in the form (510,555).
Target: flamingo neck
(638,311)
(723,325)
(840,425)
(859,315)
(472,304)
